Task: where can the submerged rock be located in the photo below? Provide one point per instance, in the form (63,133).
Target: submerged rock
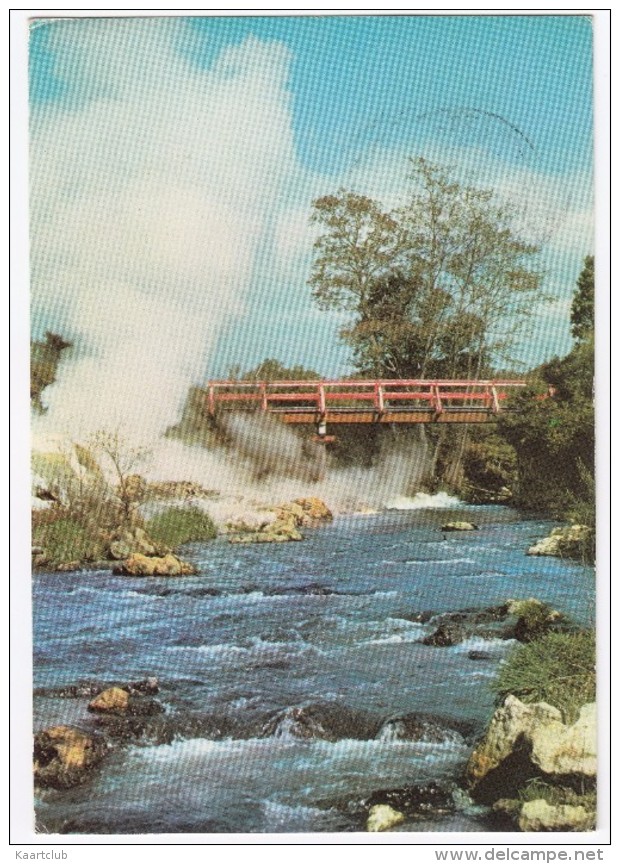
(327,721)
(382,817)
(143,565)
(478,655)
(414,801)
(64,755)
(84,689)
(527,741)
(523,620)
(432,728)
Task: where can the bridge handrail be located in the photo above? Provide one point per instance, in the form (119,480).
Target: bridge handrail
(377,392)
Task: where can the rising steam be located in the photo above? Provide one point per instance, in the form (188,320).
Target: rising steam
(153,190)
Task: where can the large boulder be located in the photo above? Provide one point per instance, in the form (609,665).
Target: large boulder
(527,741)
(571,541)
(539,815)
(559,750)
(64,755)
(144,565)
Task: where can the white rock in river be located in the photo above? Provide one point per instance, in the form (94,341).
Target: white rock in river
(382,817)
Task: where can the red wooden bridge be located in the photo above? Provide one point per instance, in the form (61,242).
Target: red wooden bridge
(378,401)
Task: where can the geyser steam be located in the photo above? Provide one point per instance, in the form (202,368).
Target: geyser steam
(153,184)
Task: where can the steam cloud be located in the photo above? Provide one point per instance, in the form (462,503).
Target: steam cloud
(152,188)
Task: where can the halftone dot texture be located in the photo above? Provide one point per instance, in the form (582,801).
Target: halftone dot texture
(173,167)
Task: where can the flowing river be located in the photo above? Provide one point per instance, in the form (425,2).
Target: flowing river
(286,671)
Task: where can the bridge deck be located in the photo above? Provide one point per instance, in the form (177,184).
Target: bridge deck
(376,401)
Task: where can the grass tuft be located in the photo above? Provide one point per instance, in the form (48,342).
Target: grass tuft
(559,668)
(178,525)
(66,540)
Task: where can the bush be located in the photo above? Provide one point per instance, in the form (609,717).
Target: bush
(536,619)
(66,540)
(559,668)
(179,525)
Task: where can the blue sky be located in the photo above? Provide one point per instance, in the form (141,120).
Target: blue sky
(353,77)
(175,162)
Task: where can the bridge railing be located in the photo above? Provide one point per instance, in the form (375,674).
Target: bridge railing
(379,396)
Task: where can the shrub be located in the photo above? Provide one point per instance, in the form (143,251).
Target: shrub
(559,669)
(536,619)
(178,525)
(66,540)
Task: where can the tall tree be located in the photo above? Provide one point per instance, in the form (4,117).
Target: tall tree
(582,309)
(436,287)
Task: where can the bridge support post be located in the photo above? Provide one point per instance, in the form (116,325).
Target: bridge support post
(495,399)
(436,399)
(322,424)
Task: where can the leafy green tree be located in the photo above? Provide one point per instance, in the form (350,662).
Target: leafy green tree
(435,288)
(273,370)
(360,247)
(582,309)
(552,431)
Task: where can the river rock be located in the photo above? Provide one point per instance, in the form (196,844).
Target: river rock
(327,721)
(452,628)
(527,741)
(64,755)
(539,815)
(114,699)
(146,686)
(88,689)
(414,802)
(459,526)
(382,817)
(144,565)
(282,530)
(289,518)
(314,510)
(523,620)
(571,541)
(478,655)
(131,542)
